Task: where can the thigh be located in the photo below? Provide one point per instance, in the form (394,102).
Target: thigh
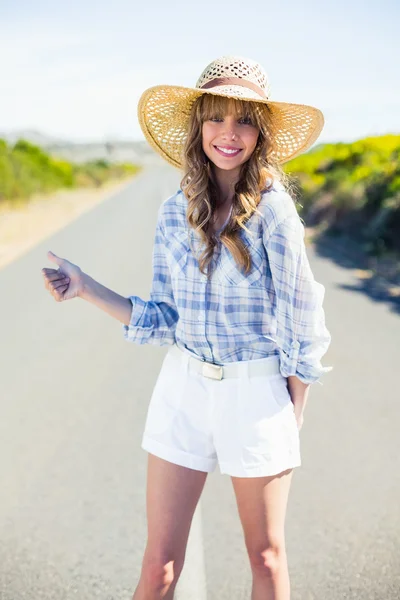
(172,495)
(262,503)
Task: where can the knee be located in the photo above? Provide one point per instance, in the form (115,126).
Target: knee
(160,574)
(268,560)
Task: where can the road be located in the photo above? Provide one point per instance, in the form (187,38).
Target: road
(73,400)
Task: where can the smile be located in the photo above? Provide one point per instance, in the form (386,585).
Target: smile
(227,151)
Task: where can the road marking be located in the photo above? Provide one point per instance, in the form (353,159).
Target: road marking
(192,582)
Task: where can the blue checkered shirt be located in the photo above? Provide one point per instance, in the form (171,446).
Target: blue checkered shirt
(275,310)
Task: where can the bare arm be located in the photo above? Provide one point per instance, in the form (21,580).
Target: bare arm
(299,394)
(112,303)
(69,281)
(152,322)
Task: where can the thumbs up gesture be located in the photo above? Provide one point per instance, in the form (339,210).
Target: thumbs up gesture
(63,283)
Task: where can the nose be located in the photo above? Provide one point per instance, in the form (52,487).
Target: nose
(230,131)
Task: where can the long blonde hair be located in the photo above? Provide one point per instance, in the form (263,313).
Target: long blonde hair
(256,175)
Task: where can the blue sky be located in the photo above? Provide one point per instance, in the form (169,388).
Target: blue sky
(76,70)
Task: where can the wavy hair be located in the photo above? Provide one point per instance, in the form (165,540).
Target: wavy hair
(256,176)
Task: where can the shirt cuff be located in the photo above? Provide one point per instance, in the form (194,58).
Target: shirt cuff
(292,364)
(136,320)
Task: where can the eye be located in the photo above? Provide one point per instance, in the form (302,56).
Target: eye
(215,119)
(246,121)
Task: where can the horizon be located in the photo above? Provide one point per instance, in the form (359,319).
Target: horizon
(143,140)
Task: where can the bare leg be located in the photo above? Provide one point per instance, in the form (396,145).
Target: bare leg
(262,503)
(171,499)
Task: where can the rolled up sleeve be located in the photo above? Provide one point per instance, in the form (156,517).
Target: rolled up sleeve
(301,333)
(154,321)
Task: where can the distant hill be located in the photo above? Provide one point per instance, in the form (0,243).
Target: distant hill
(33,136)
(114,151)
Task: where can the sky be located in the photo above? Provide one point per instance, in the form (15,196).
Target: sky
(75,70)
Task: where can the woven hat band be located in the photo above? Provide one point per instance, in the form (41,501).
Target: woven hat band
(234,81)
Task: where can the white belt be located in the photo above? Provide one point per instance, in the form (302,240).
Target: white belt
(267,366)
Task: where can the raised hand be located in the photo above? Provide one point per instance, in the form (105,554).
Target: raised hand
(63,283)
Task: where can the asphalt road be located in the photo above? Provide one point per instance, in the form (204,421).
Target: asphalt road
(73,400)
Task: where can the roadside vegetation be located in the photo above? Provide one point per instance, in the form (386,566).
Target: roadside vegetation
(344,189)
(26,170)
(353,190)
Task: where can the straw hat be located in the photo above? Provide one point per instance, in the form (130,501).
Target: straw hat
(164,110)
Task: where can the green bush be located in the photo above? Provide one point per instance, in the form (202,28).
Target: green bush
(361,180)
(26,169)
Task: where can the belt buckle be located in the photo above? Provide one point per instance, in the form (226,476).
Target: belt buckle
(212,371)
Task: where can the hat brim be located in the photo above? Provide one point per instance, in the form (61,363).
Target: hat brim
(164,111)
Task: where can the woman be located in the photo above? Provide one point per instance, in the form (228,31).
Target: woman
(234,298)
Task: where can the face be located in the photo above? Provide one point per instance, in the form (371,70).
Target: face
(229,141)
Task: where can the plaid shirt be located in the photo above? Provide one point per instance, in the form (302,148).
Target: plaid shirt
(275,310)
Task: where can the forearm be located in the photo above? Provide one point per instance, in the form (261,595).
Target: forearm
(110,302)
(298,392)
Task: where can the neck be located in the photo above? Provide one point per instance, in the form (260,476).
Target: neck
(225,181)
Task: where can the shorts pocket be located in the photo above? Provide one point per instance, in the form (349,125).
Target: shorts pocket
(280,391)
(257,417)
(166,397)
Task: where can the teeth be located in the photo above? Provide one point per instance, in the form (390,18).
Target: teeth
(227,151)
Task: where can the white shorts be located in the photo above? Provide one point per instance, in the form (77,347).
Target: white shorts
(246,423)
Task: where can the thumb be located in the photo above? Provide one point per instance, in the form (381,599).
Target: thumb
(53,257)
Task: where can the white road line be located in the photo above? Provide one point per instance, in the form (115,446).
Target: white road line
(192,582)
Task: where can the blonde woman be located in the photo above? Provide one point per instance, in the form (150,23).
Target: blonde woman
(236,302)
